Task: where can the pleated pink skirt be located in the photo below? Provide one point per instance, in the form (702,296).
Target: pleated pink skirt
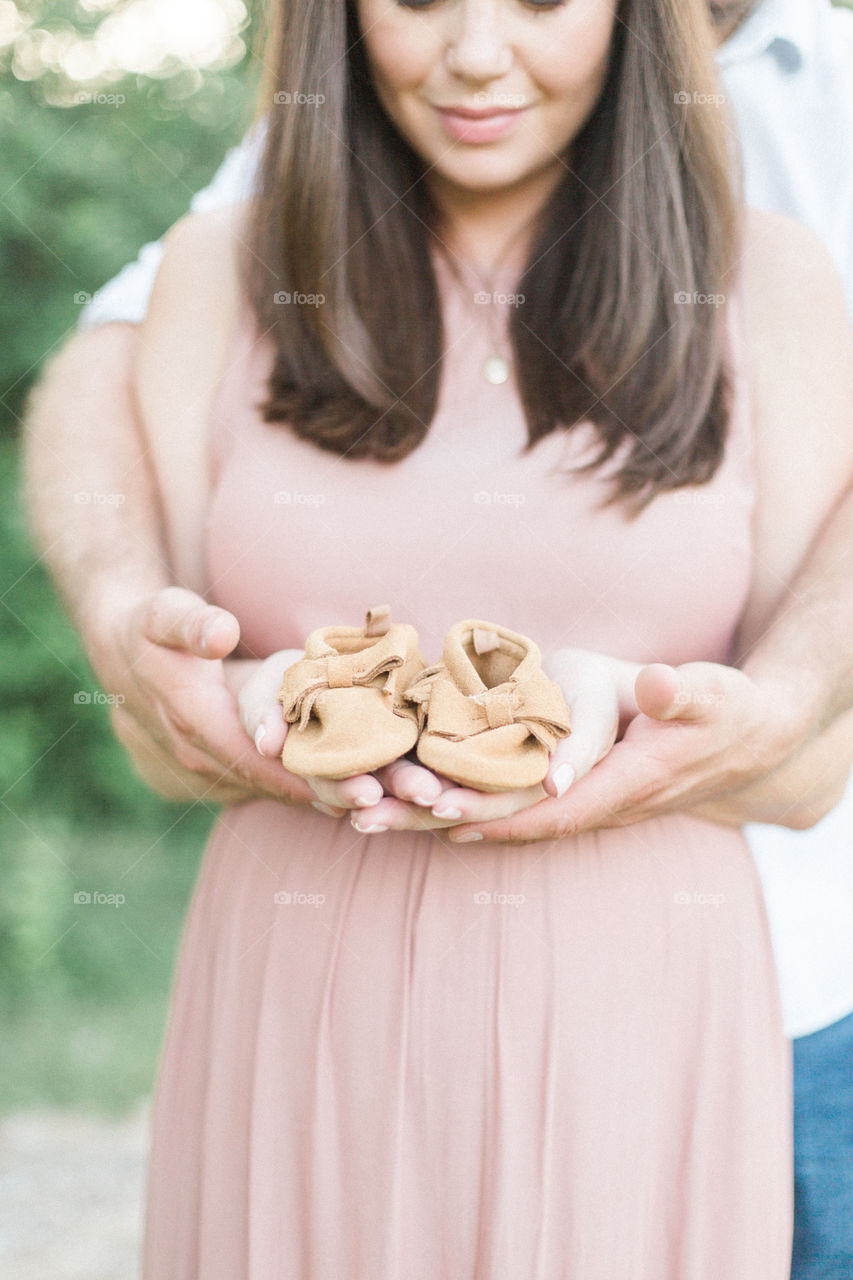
(388,1058)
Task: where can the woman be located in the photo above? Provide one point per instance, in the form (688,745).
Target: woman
(491,342)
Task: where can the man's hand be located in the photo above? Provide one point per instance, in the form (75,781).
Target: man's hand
(179,718)
(703,735)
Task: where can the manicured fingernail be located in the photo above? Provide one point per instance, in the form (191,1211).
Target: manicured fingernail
(467,837)
(325,808)
(259,737)
(370,831)
(439,812)
(420,800)
(362,802)
(563,778)
(205,633)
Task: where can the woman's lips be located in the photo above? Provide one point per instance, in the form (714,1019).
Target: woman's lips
(466,125)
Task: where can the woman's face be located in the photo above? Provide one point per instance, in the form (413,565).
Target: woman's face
(488,92)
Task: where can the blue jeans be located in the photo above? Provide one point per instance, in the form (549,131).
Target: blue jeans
(823,1154)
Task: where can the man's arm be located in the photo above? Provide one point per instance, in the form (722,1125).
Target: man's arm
(95,517)
(810,635)
(89,490)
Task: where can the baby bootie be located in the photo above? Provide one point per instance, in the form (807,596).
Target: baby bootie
(345,698)
(489,717)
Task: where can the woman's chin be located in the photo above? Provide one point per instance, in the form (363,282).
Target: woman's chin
(482,174)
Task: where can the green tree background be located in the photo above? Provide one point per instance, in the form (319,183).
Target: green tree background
(82,185)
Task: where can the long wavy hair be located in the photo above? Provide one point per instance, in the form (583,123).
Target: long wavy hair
(613,329)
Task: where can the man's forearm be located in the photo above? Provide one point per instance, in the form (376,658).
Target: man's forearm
(93,506)
(807,649)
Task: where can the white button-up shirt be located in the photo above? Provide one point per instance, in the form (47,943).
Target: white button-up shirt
(788,76)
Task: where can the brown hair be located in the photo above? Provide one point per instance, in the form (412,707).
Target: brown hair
(644,218)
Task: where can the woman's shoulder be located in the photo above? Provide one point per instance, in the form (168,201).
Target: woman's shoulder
(785,263)
(799,344)
(224,228)
(197,297)
(799,335)
(800,338)
(799,355)
(204,251)
(195,305)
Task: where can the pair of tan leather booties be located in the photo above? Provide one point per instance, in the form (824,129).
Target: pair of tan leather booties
(486,716)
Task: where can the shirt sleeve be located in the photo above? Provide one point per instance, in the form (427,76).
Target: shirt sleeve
(125,297)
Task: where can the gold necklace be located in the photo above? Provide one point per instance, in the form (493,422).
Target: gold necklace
(496,368)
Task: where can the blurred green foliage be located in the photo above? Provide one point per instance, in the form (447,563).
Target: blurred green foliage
(83,986)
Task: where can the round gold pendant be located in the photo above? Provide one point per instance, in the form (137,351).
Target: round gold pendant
(496,370)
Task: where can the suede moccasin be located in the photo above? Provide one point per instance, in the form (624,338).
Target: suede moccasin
(489,716)
(345,698)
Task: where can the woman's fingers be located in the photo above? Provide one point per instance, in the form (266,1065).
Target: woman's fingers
(404,781)
(410,781)
(457,804)
(260,710)
(462,804)
(592,697)
(409,790)
(595,724)
(360,792)
(391,814)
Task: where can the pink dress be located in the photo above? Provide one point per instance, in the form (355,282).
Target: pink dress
(389,1058)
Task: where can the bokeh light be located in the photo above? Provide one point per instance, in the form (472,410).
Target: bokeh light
(114,38)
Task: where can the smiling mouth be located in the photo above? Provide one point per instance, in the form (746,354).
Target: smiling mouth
(475,126)
(479,113)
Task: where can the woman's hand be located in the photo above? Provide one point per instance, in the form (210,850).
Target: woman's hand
(260,714)
(599,694)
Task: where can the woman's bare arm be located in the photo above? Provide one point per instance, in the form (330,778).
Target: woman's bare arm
(179,361)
